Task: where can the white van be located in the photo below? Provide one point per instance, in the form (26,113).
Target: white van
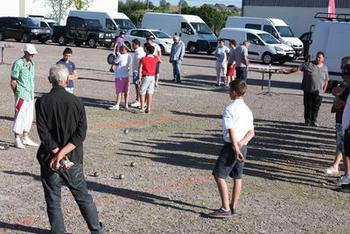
(194,32)
(332,38)
(263,46)
(277,27)
(123,22)
(105,19)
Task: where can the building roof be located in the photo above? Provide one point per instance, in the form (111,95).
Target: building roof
(296,3)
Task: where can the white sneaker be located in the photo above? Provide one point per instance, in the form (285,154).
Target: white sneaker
(345,179)
(115,107)
(331,171)
(19,144)
(135,104)
(28,141)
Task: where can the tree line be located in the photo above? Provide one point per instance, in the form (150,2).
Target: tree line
(214,17)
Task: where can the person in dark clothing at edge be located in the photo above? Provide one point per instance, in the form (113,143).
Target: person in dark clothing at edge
(314,85)
(62,125)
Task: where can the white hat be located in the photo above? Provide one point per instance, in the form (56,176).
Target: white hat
(30,49)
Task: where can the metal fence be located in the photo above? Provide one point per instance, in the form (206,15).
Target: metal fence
(297,3)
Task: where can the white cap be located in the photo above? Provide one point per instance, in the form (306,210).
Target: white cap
(30,49)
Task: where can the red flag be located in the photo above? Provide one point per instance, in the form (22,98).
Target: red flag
(331,10)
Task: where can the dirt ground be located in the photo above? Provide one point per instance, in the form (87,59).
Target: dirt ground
(174,150)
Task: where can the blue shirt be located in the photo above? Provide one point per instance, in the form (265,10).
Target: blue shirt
(71,68)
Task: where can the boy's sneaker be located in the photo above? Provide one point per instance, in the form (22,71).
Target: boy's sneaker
(331,171)
(28,141)
(115,107)
(135,104)
(19,144)
(234,212)
(345,179)
(220,214)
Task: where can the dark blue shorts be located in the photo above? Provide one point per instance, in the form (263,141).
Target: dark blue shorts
(227,165)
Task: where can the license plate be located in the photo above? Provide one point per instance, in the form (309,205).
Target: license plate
(291,55)
(108,40)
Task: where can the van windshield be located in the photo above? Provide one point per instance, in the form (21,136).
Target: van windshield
(285,31)
(201,28)
(160,34)
(268,38)
(125,24)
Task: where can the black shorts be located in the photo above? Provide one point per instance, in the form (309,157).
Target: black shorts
(227,165)
(157,68)
(347,143)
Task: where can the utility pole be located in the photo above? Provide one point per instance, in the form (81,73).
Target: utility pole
(147,4)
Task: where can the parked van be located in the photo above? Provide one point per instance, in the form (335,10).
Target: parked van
(106,20)
(331,37)
(123,22)
(264,47)
(194,32)
(277,27)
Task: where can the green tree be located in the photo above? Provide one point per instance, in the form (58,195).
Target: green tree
(59,8)
(81,4)
(164,5)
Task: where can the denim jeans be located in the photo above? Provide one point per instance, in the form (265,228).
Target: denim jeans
(241,73)
(74,179)
(177,70)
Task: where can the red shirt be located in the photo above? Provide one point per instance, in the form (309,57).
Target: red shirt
(149,64)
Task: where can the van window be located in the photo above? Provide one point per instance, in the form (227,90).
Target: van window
(186,29)
(146,34)
(254,39)
(110,24)
(271,30)
(253,26)
(43,25)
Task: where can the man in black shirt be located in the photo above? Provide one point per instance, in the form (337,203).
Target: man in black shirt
(61,123)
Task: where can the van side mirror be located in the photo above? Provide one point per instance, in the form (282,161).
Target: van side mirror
(180,34)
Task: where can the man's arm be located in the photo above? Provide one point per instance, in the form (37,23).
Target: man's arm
(73,76)
(43,130)
(182,51)
(250,134)
(140,71)
(291,70)
(80,133)
(13,84)
(235,145)
(325,86)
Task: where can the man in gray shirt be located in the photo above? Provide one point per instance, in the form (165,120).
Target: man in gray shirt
(314,84)
(242,62)
(176,56)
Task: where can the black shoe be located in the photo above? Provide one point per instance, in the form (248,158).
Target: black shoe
(179,81)
(220,214)
(217,85)
(173,80)
(307,124)
(111,70)
(234,212)
(345,188)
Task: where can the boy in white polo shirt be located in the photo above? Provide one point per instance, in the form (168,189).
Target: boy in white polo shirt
(238,130)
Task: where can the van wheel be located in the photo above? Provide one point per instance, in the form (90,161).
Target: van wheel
(281,61)
(43,41)
(1,36)
(62,41)
(92,42)
(25,38)
(192,48)
(78,43)
(162,49)
(267,58)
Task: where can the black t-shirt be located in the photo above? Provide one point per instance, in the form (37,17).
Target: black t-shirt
(342,97)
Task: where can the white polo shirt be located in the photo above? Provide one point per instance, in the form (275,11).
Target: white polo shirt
(238,117)
(346,115)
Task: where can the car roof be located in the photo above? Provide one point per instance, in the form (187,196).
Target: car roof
(248,30)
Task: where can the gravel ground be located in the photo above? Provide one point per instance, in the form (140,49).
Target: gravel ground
(174,149)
